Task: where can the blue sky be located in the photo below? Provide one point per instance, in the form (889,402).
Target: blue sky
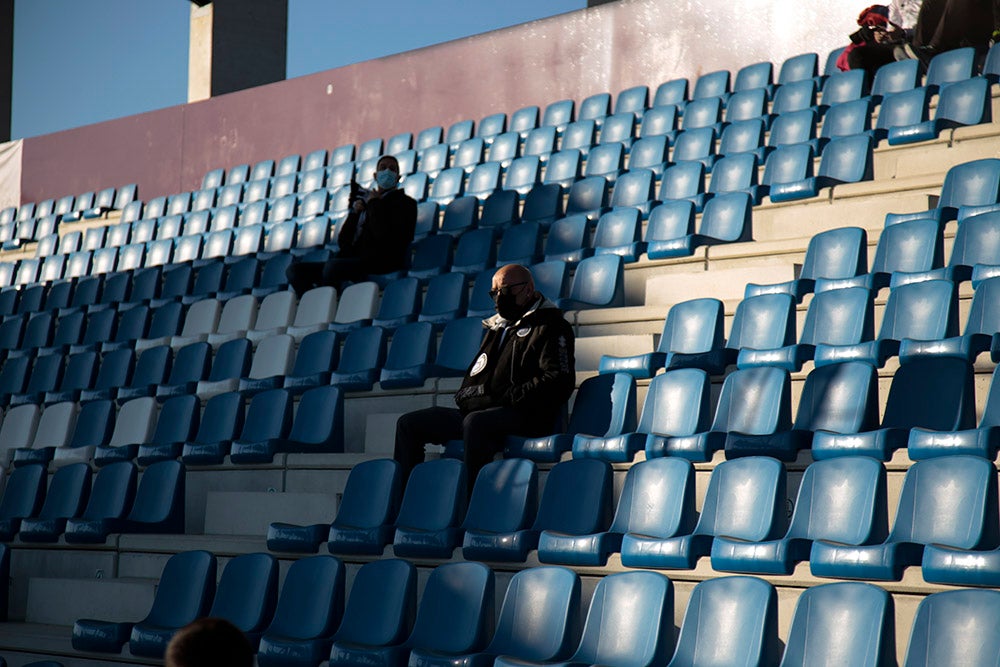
(83,61)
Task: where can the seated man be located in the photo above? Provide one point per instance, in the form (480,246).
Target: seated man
(518,384)
(375,237)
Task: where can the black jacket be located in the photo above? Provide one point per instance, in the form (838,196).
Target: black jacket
(385,237)
(527,365)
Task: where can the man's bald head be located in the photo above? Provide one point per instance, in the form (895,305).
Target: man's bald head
(511,274)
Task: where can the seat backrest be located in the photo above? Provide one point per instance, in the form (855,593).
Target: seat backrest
(951,66)
(371,495)
(836,253)
(711,84)
(24,493)
(68,492)
(671,220)
(843,87)
(630,621)
(112,492)
(972,183)
(185,591)
(551,278)
(732,619)
(950,501)
(276,310)
(577,498)
(135,423)
(94,424)
(504,497)
(382,606)
(797,68)
(659,121)
(605,406)
(364,349)
(948,629)
(269,416)
(848,159)
(357,302)
(318,352)
(734,173)
(319,420)
(657,499)
(446,293)
(908,107)
(599,282)
(839,317)
(159,498)
(965,102)
(727,217)
(650,153)
(745,500)
(984,313)
(19,426)
(273,356)
(178,420)
(540,616)
(677,403)
(238,314)
(567,235)
(317,305)
(637,187)
(222,418)
(191,363)
(844,623)
(153,366)
(682,180)
(520,244)
(763,322)
(435,496)
(459,343)
(247,592)
(769,411)
(674,91)
(586,195)
(401,297)
(202,317)
(842,500)
(456,610)
(921,311)
(977,240)
(794,96)
(56,425)
(694,143)
(788,164)
(839,398)
(311,601)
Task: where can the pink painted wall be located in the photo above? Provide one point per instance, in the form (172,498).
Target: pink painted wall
(605,48)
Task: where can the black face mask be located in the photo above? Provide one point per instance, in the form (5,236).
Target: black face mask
(508,307)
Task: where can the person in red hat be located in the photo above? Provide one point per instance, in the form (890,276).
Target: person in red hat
(874,44)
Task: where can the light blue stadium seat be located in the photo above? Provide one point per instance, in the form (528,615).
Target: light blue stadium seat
(676,410)
(475,252)
(696,144)
(568,239)
(761,325)
(619,128)
(598,282)
(902,109)
(595,107)
(846,623)
(559,114)
(432,509)
(973,254)
(660,121)
(947,629)
(684,180)
(539,142)
(484,180)
(310,607)
(636,189)
(982,441)
(946,520)
(628,623)
(757,427)
(650,153)
(361,360)
(501,512)
(962,103)
(842,87)
(184,594)
(455,616)
(895,77)
(607,160)
(580,135)
(845,160)
(379,615)
(746,105)
(523,174)
(247,593)
(538,598)
(589,197)
(835,254)
(674,91)
(670,224)
(951,66)
(795,127)
(798,68)
(794,96)
(712,84)
(491,126)
(619,232)
(633,100)
(731,621)
(604,406)
(737,173)
(448,184)
(841,500)
(745,136)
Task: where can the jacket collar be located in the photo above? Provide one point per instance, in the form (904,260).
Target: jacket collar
(496,322)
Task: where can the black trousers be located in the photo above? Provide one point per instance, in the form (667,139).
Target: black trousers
(870,57)
(303,276)
(484,433)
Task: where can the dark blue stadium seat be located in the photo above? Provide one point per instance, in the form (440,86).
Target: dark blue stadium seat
(176,424)
(432,509)
(543,204)
(459,343)
(520,244)
(523,174)
(267,424)
(318,426)
(379,615)
(619,232)
(247,593)
(836,254)
(431,256)
(475,252)
(731,620)
(310,607)
(844,623)
(361,360)
(455,617)
(947,629)
(460,215)
(501,511)
(221,422)
(110,498)
(152,368)
(842,87)
(317,356)
(589,197)
(448,184)
(23,497)
(604,406)
(841,500)
(982,441)
(191,364)
(500,209)
(184,594)
(568,239)
(946,518)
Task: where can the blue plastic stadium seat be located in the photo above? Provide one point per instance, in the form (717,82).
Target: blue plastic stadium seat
(589,197)
(982,441)
(746,105)
(580,135)
(247,593)
(460,215)
(845,623)
(23,497)
(568,239)
(379,615)
(737,173)
(458,346)
(761,326)
(948,629)
(446,298)
(184,594)
(798,68)
(94,424)
(523,174)
(310,607)
(946,518)
(794,96)
(432,509)
(520,244)
(455,616)
(696,144)
(501,511)
(598,282)
(431,256)
(835,254)
(933,393)
(974,251)
(361,359)
(979,335)
(604,406)
(670,225)
(962,103)
(607,160)
(408,360)
(970,185)
(845,160)
(318,426)
(629,622)
(676,410)
(500,209)
(744,136)
(110,498)
(650,153)
(619,232)
(363,524)
(949,67)
(543,204)
(902,110)
(842,87)
(731,621)
(726,219)
(840,500)
(692,337)
(267,424)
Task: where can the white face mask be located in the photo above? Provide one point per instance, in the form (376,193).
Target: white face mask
(386,179)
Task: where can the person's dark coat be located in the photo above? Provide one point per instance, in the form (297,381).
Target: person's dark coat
(383,243)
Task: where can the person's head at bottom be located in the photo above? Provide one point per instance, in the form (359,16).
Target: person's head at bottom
(513,291)
(209,642)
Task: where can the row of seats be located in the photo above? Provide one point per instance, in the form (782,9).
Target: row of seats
(629,620)
(29,222)
(946,521)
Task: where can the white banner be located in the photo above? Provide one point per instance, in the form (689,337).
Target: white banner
(10,173)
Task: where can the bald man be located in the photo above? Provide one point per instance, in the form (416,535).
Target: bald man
(518,384)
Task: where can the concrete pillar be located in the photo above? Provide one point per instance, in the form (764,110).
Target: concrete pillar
(236,44)
(6,66)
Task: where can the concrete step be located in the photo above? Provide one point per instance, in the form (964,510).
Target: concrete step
(250,513)
(60,601)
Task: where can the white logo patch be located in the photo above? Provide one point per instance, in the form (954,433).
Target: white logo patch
(480,364)
(521,333)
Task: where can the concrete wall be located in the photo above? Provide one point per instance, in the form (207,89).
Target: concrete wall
(604,48)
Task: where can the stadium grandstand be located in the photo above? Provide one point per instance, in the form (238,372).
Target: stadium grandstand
(785,285)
